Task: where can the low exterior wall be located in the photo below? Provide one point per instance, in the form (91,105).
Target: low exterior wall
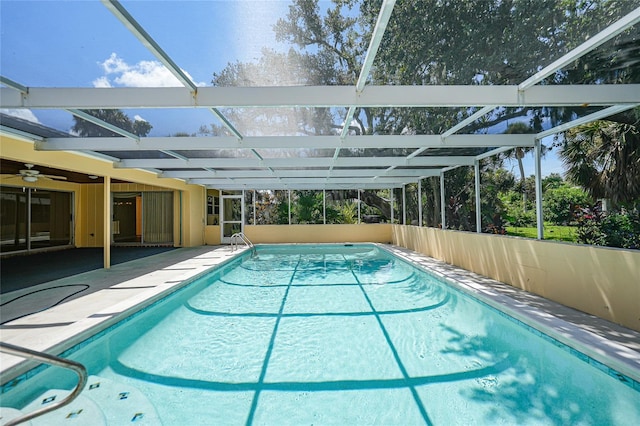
(604,282)
(375,233)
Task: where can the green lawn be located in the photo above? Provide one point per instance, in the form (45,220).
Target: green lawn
(551,232)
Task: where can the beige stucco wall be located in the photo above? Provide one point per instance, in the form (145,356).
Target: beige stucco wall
(601,281)
(378,233)
(189,200)
(212,235)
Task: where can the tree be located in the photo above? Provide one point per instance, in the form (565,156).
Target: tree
(112,116)
(428,42)
(518,153)
(561,204)
(604,158)
(552,181)
(307,207)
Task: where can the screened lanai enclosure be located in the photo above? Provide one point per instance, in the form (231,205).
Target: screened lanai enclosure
(363,107)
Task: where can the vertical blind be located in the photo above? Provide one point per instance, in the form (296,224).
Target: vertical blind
(157,210)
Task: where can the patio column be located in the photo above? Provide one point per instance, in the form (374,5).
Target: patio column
(254,206)
(420,202)
(538,173)
(443,219)
(359,207)
(476,166)
(391,202)
(107,223)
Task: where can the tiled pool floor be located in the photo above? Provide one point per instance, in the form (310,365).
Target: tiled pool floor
(70,306)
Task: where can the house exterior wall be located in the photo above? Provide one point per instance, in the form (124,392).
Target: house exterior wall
(602,281)
(212,235)
(189,200)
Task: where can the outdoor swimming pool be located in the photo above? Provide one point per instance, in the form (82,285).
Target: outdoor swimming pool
(327,335)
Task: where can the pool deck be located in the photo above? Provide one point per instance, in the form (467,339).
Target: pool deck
(71,309)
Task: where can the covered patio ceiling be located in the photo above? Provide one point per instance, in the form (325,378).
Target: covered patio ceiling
(244,158)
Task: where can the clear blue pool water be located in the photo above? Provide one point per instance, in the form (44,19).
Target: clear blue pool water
(345,336)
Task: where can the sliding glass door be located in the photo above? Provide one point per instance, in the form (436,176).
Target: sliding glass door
(33,219)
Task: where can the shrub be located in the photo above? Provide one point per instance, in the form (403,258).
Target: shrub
(615,229)
(515,214)
(560,204)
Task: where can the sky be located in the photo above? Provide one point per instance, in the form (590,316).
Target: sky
(57,43)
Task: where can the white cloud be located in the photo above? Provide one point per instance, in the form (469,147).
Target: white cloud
(142,74)
(25,114)
(138,118)
(101,82)
(114,65)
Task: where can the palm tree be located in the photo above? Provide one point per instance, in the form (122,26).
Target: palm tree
(604,158)
(519,128)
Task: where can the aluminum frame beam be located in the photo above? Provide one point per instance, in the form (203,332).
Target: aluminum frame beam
(538,190)
(294,181)
(277,185)
(378,31)
(319,96)
(284,142)
(302,173)
(296,163)
(14,85)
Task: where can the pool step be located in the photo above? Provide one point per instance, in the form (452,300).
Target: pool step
(102,402)
(81,411)
(8,413)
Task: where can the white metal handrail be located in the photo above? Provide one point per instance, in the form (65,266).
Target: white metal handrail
(239,236)
(78,368)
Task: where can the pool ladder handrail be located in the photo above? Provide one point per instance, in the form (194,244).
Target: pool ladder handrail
(77,368)
(240,236)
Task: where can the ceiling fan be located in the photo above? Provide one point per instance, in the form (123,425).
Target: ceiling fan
(32,175)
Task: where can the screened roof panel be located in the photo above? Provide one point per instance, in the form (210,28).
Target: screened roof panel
(236,41)
(221,32)
(34,31)
(342,95)
(401,120)
(375,152)
(485,42)
(285,121)
(615,61)
(527,120)
(215,153)
(294,153)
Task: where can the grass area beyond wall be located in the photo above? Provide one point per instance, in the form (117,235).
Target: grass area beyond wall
(551,232)
(604,282)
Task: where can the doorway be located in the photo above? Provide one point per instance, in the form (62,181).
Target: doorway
(231,214)
(127,217)
(34,219)
(142,218)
